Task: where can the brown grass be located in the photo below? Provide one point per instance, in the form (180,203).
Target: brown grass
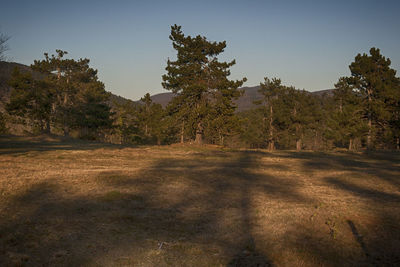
(71,203)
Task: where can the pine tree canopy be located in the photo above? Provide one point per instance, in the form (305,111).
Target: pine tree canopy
(199,79)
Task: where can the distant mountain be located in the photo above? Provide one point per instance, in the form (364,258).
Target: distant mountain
(245,102)
(162,98)
(326,92)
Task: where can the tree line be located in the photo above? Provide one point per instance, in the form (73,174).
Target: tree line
(64,96)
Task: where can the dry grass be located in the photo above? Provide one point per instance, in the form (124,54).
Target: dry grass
(74,203)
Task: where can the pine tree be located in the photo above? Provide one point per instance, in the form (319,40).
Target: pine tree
(346,121)
(394,109)
(80,100)
(93,114)
(151,120)
(252,134)
(377,85)
(198,78)
(31,98)
(270,89)
(146,113)
(63,93)
(221,121)
(178,111)
(126,123)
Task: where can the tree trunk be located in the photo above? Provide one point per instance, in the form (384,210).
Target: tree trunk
(315,140)
(271,131)
(369,137)
(66,129)
(199,134)
(298,141)
(271,145)
(351,144)
(47,129)
(221,140)
(199,138)
(183,132)
(398,143)
(84,131)
(298,144)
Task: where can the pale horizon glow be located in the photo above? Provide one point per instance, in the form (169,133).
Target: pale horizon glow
(307,44)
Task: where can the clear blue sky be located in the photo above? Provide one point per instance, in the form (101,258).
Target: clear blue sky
(308,44)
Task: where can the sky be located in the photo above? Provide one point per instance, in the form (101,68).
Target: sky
(307,44)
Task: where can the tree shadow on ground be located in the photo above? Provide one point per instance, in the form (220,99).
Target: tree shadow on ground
(372,180)
(186,212)
(379,237)
(210,209)
(384,165)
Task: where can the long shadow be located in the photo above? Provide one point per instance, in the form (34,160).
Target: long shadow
(361,191)
(359,238)
(384,165)
(365,175)
(51,228)
(221,186)
(189,211)
(381,245)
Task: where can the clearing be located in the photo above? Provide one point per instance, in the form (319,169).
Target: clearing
(69,203)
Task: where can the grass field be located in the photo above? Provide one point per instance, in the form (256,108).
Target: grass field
(69,203)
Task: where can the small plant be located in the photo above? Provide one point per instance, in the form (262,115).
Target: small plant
(332,228)
(317,207)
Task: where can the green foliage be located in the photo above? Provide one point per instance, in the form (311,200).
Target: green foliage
(252,135)
(126,123)
(378,88)
(144,123)
(63,93)
(364,107)
(272,109)
(286,117)
(31,98)
(201,83)
(151,120)
(80,101)
(3,127)
(346,122)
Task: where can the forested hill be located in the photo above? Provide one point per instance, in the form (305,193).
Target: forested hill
(245,102)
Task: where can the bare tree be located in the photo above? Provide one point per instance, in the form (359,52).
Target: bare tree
(3,45)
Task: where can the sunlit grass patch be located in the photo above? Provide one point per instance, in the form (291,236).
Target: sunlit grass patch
(197,206)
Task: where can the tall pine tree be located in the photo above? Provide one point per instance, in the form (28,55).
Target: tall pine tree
(270,89)
(378,87)
(198,78)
